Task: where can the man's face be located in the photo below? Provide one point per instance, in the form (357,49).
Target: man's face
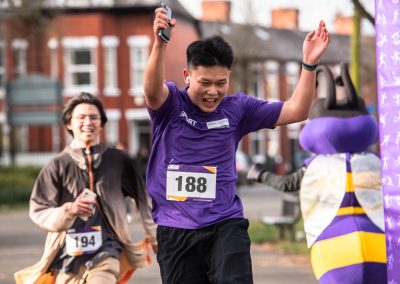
(85,124)
(207,86)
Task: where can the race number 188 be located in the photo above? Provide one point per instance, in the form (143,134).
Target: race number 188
(184,185)
(191,184)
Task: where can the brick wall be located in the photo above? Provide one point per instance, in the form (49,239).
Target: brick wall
(216,10)
(285,18)
(343,25)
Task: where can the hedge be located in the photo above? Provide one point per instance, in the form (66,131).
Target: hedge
(16,184)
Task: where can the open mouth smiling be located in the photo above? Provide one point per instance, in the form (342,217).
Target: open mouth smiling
(210,101)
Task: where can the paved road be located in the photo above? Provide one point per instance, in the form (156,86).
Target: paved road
(21,245)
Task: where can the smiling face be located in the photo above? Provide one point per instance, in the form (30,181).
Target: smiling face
(85,125)
(207,86)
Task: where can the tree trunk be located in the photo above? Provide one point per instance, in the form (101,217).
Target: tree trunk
(355,49)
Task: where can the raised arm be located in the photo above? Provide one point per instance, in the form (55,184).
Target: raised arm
(297,107)
(155,91)
(284,183)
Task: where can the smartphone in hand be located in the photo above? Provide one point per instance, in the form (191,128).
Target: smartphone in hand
(165,33)
(88,195)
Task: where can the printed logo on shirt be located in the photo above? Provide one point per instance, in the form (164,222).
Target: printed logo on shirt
(188,120)
(218,123)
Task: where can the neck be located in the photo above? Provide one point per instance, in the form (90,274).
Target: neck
(79,144)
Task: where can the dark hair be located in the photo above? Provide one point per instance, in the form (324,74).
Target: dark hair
(209,52)
(83,98)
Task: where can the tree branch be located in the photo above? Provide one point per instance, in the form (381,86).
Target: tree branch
(364,13)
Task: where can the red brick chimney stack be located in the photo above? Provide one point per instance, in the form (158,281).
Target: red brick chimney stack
(343,24)
(216,10)
(285,18)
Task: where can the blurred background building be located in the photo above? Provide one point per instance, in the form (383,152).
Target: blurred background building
(102,47)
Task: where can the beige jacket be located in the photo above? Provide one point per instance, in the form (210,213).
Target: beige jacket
(59,184)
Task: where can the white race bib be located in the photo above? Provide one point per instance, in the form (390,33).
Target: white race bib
(191,183)
(83,241)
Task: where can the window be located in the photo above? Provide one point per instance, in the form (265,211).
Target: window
(2,69)
(274,143)
(139,54)
(139,129)
(272,68)
(80,65)
(53,45)
(292,76)
(273,135)
(19,47)
(256,82)
(110,44)
(257,142)
(112,127)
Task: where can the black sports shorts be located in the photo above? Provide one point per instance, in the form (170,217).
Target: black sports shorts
(219,253)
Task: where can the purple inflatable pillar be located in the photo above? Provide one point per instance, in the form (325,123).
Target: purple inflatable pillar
(387,23)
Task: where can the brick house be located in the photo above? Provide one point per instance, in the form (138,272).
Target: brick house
(101,46)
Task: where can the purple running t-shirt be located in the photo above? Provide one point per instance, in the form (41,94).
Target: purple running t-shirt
(191,174)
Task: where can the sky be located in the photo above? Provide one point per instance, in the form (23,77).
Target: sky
(311,11)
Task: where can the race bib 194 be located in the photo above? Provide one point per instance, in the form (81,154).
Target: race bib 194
(83,241)
(191,183)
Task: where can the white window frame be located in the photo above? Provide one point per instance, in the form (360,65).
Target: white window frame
(53,46)
(272,68)
(138,44)
(274,148)
(292,76)
(260,137)
(110,45)
(3,72)
(70,45)
(19,47)
(132,116)
(256,83)
(112,126)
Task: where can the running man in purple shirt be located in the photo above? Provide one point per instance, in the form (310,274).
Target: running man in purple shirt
(191,176)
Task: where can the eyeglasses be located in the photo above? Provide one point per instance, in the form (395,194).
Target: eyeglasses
(91,117)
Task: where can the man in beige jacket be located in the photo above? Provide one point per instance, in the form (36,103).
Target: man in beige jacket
(88,239)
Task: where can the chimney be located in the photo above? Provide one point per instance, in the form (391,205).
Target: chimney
(343,25)
(285,18)
(216,10)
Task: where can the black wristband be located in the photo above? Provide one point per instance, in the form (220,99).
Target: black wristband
(309,67)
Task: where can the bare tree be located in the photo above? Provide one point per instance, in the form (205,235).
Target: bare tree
(359,13)
(29,14)
(364,13)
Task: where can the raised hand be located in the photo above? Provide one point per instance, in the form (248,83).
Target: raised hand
(161,22)
(315,44)
(254,173)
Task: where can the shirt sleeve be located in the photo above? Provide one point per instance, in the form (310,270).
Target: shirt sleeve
(164,111)
(44,208)
(258,114)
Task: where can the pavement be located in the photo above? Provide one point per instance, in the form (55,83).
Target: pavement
(21,245)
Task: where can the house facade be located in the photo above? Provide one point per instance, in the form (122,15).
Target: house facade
(102,47)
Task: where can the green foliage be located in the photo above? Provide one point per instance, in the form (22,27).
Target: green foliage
(261,233)
(16,184)
(292,247)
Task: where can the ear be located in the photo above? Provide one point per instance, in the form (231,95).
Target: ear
(186,76)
